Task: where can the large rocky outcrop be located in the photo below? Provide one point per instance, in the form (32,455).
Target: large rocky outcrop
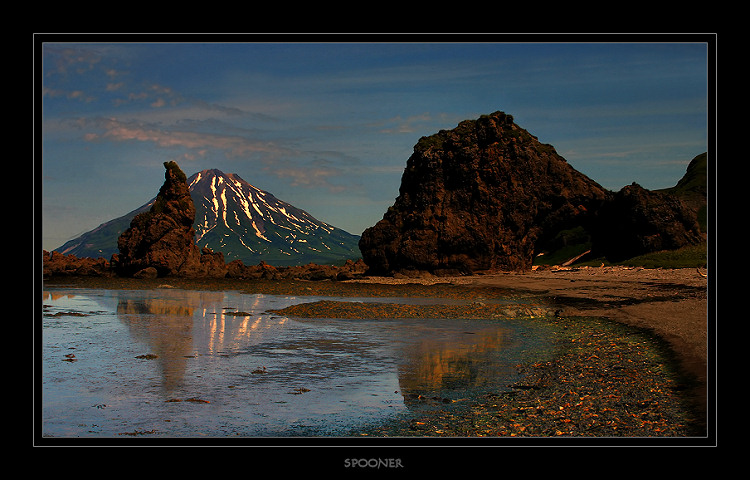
(637,221)
(479,197)
(161,241)
(488,195)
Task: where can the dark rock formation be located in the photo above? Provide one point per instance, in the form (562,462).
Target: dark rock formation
(313,272)
(692,189)
(488,195)
(479,197)
(637,221)
(162,240)
(57,264)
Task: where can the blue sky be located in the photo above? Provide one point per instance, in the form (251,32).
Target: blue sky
(328,127)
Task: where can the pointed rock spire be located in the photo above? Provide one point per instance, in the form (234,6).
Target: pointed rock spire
(161,241)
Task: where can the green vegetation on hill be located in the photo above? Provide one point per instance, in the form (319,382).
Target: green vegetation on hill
(692,256)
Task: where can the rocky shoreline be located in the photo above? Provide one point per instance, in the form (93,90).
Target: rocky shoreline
(633,357)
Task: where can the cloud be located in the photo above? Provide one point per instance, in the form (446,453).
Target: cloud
(63,60)
(316,173)
(309,177)
(79,95)
(231,145)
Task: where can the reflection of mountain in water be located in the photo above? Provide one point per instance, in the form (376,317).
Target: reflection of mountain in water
(440,365)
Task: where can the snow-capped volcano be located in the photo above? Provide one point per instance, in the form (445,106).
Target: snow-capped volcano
(241,221)
(245,222)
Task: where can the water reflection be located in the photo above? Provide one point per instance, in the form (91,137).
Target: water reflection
(55,295)
(180,325)
(165,327)
(325,375)
(452,366)
(439,365)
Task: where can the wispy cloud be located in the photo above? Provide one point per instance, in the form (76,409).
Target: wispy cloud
(409,124)
(63,59)
(231,145)
(79,95)
(310,175)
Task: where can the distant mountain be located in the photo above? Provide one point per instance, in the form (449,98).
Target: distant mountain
(241,221)
(101,241)
(247,223)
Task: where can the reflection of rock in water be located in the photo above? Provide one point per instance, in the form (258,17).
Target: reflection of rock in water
(437,366)
(55,295)
(178,324)
(155,306)
(165,326)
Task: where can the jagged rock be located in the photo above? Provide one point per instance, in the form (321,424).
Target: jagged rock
(163,238)
(311,271)
(478,197)
(56,263)
(236,269)
(212,263)
(351,270)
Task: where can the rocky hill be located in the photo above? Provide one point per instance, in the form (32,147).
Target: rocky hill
(487,195)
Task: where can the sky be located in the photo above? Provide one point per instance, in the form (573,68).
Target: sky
(329,126)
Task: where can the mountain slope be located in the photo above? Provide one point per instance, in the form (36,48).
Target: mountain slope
(241,221)
(101,241)
(249,224)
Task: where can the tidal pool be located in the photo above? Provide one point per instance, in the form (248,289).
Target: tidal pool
(181,364)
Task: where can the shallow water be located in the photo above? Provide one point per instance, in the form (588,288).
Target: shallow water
(178,363)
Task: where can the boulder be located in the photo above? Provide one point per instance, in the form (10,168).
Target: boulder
(262,271)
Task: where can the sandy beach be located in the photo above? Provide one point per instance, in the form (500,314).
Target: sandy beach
(671,303)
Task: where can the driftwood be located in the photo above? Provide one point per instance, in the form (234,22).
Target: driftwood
(572,260)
